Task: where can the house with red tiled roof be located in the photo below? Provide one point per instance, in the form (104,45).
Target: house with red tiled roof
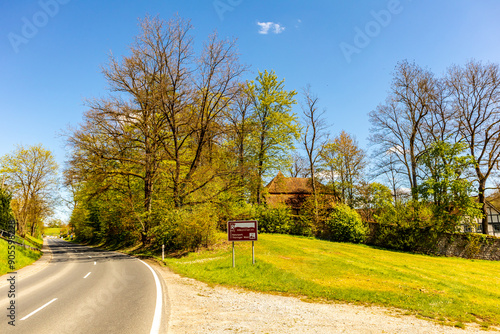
(292,191)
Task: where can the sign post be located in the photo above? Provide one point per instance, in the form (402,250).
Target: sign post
(243,230)
(253,254)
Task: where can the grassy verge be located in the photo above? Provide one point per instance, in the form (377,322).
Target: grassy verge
(449,290)
(33,242)
(23,257)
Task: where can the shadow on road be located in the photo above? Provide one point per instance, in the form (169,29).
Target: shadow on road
(67,252)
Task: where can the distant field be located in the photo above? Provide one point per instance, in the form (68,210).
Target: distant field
(23,257)
(52,231)
(33,242)
(449,290)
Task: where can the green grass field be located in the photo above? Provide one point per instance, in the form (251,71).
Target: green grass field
(23,257)
(52,231)
(449,290)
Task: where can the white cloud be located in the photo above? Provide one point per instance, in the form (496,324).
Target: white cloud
(266,27)
(398,149)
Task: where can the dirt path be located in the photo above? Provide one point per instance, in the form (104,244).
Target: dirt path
(199,308)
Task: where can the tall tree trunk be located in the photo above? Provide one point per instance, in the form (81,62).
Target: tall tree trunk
(260,171)
(259,183)
(482,201)
(414,190)
(315,194)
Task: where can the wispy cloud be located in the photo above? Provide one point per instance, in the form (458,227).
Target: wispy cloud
(270,27)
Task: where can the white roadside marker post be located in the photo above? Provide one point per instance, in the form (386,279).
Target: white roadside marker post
(163,252)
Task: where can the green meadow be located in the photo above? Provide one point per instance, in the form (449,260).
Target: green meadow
(452,291)
(52,231)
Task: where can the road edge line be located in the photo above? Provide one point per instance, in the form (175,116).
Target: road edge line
(155,328)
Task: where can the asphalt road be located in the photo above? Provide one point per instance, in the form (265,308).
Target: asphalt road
(86,290)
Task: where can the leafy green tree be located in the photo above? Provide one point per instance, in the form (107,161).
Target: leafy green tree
(31,174)
(5,209)
(446,187)
(158,133)
(276,127)
(373,199)
(345,162)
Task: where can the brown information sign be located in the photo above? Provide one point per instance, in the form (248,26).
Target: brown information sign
(242,230)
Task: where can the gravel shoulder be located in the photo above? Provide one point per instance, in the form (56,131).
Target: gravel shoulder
(196,307)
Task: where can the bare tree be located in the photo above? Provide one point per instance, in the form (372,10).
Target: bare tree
(313,137)
(398,125)
(239,129)
(299,167)
(390,168)
(475,90)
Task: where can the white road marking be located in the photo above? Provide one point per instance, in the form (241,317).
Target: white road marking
(90,256)
(38,309)
(155,328)
(95,263)
(87,275)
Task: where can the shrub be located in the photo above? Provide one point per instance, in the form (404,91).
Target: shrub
(235,210)
(301,226)
(408,227)
(344,225)
(185,228)
(274,220)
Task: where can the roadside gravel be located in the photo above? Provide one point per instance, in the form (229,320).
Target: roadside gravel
(196,307)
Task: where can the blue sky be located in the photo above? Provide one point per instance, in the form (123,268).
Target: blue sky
(51,51)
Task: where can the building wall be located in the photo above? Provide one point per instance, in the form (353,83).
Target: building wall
(493,223)
(464,245)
